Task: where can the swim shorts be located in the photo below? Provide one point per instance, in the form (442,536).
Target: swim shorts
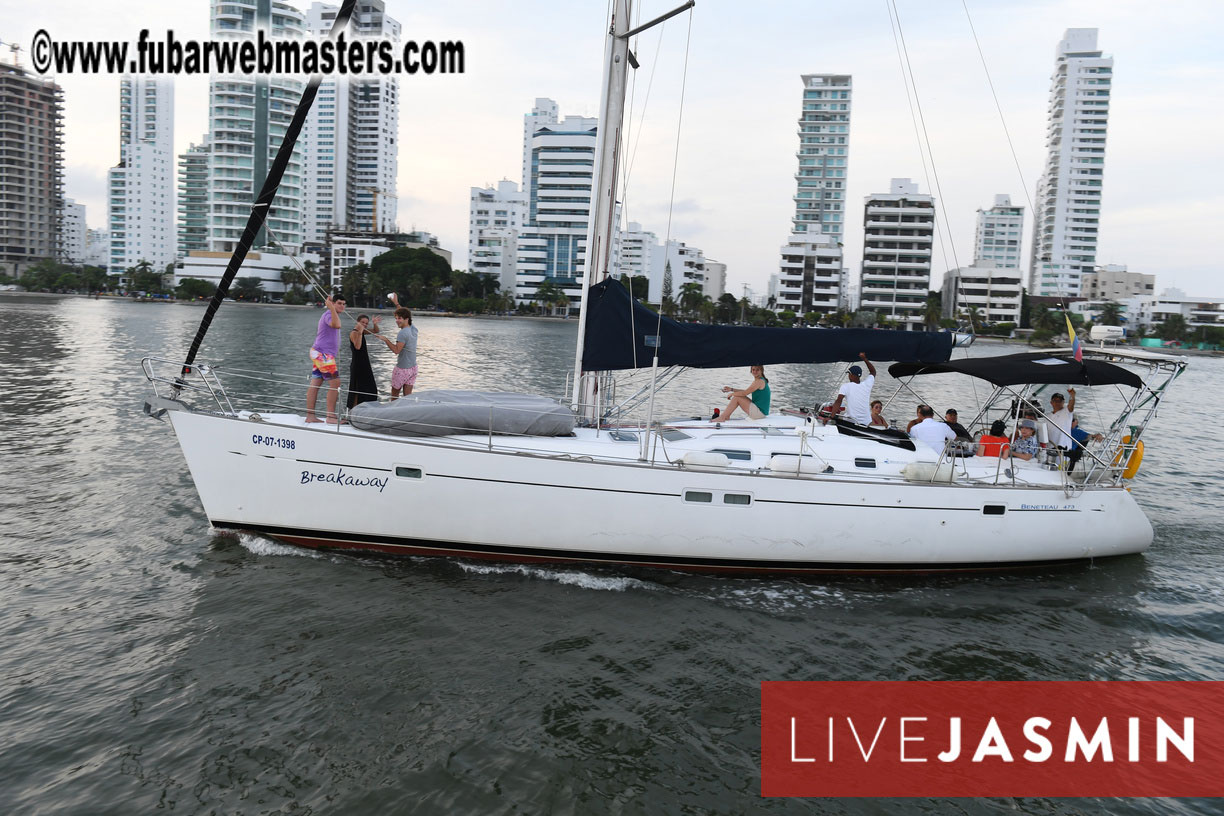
(323,365)
(403,377)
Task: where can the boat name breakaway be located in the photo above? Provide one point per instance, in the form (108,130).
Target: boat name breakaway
(342,479)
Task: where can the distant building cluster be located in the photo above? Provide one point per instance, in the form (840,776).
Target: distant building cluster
(535,236)
(337,203)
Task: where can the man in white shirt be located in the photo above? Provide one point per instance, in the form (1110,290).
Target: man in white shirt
(857,393)
(931,431)
(1059,425)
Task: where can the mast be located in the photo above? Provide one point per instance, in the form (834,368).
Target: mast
(603,193)
(617,60)
(267,194)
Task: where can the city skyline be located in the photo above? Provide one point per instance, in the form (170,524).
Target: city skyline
(735,184)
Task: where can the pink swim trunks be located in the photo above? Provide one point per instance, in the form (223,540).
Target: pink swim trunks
(403,377)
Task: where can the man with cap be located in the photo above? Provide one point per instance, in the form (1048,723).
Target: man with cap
(930,430)
(1059,426)
(857,393)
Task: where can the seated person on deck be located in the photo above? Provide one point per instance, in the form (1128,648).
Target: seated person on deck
(1026,445)
(753,400)
(995,443)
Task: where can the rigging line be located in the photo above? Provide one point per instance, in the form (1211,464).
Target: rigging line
(627,171)
(926,135)
(911,97)
(671,202)
(267,194)
(637,138)
(999,108)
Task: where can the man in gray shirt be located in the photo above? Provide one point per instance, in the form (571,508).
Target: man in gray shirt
(404,375)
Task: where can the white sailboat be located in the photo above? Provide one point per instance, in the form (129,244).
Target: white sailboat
(793,492)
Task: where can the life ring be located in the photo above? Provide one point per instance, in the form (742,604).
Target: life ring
(1136,457)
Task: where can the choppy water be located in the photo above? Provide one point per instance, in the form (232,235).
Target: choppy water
(149,665)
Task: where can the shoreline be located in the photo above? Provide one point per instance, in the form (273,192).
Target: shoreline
(1006,341)
(246,304)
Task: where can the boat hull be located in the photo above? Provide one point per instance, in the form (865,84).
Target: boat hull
(322,488)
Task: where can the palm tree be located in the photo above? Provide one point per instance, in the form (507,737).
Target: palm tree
(934,310)
(691,295)
(1111,314)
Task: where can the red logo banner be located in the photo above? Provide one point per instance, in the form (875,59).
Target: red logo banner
(922,738)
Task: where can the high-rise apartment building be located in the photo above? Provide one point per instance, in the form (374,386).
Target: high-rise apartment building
(998,234)
(558,161)
(140,189)
(496,216)
(898,229)
(247,120)
(31,170)
(350,141)
(72,232)
(1068,206)
(193,202)
(811,265)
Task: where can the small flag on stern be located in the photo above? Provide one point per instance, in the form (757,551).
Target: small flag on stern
(1075,343)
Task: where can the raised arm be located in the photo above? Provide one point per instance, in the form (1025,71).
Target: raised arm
(1071,400)
(870,368)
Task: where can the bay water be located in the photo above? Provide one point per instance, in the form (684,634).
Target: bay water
(149,664)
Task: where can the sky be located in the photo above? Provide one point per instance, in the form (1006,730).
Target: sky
(715,106)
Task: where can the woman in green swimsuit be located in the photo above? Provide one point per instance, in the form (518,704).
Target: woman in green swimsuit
(753,400)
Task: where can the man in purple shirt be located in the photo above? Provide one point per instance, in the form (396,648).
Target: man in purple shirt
(323,361)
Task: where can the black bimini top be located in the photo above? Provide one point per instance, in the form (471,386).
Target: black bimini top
(1029,368)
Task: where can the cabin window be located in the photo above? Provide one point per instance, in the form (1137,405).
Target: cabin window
(994,510)
(737,498)
(407,472)
(864,463)
(791,453)
(623,436)
(672,435)
(742,455)
(699,496)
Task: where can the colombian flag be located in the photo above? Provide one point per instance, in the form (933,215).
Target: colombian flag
(1075,343)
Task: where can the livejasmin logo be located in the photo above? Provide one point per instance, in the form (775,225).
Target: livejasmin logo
(992,739)
(993,743)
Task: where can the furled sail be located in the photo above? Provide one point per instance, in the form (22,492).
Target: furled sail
(622,333)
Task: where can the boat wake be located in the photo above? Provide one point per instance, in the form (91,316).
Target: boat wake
(584,580)
(258,545)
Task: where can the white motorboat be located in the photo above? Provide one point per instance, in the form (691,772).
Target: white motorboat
(792,492)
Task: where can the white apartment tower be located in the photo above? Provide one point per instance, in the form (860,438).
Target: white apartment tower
(350,140)
(1068,206)
(998,234)
(140,189)
(811,267)
(558,163)
(496,216)
(898,228)
(247,120)
(72,232)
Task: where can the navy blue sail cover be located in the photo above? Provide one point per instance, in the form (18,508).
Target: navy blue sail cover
(618,329)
